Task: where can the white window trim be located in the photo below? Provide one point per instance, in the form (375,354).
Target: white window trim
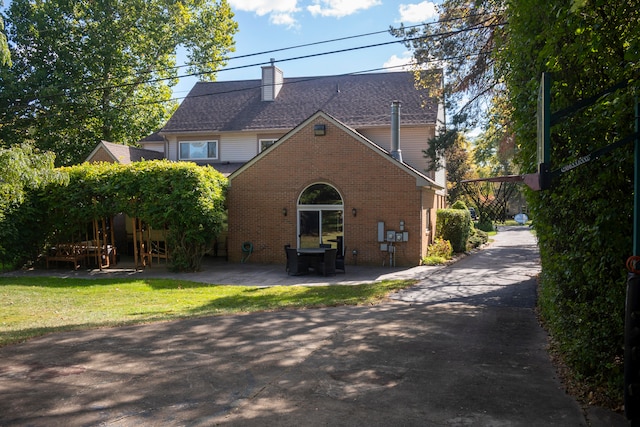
(199,158)
(261,140)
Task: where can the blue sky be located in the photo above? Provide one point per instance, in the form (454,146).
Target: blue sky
(275,24)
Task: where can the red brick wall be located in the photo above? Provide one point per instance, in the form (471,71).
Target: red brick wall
(378,189)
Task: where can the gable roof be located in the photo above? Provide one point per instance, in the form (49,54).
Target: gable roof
(125,154)
(358,101)
(154,137)
(421,179)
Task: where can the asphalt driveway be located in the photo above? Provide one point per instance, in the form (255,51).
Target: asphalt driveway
(461,348)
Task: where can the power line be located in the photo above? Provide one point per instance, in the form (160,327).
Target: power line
(232,58)
(302,80)
(195,74)
(266,52)
(448,33)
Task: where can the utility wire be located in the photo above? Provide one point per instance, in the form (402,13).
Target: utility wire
(195,74)
(266,52)
(424,37)
(299,80)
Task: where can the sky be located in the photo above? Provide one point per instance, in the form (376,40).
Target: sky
(266,25)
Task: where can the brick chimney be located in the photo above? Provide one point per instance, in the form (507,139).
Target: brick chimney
(271,81)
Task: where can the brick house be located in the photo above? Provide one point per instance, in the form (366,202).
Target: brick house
(272,202)
(260,133)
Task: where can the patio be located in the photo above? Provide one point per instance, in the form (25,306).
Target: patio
(219,271)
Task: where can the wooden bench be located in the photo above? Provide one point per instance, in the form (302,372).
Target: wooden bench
(67,252)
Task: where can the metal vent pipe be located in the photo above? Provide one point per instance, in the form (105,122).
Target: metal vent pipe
(396,152)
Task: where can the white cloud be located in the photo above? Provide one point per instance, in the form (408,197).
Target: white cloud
(284,19)
(281,12)
(263,7)
(402,63)
(340,8)
(420,12)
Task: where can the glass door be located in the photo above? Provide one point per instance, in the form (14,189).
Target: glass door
(309,225)
(320,217)
(320,226)
(331,230)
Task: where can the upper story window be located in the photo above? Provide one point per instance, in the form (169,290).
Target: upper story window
(265,143)
(198,150)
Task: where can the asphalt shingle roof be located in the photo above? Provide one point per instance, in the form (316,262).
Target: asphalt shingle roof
(356,100)
(126,154)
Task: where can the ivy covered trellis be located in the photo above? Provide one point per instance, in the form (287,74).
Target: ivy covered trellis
(185,199)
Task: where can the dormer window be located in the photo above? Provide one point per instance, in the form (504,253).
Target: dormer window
(265,143)
(198,150)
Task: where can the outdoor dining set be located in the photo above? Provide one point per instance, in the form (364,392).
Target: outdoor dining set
(323,260)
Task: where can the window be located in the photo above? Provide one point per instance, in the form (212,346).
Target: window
(263,144)
(320,217)
(198,150)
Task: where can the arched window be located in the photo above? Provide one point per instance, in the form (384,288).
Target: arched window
(320,194)
(320,217)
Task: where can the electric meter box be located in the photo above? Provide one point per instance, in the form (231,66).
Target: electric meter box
(397,236)
(380,231)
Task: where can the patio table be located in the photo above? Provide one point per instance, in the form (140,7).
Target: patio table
(323,260)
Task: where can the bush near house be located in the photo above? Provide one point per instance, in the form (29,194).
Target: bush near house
(185,198)
(454,225)
(485,225)
(23,171)
(438,253)
(477,238)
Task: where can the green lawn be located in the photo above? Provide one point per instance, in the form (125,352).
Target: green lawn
(36,306)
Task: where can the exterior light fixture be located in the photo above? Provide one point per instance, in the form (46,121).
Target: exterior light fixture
(319,130)
(284,211)
(354,212)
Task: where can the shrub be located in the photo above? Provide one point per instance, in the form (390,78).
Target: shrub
(438,252)
(459,204)
(440,248)
(477,238)
(485,225)
(186,199)
(433,260)
(454,225)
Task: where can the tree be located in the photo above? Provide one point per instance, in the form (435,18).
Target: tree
(583,222)
(494,148)
(5,55)
(102,70)
(23,170)
(458,166)
(463,43)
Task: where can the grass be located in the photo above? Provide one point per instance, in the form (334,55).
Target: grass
(35,306)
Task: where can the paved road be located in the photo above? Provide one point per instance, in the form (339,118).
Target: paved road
(462,348)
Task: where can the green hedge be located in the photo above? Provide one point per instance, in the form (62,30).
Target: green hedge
(454,225)
(185,198)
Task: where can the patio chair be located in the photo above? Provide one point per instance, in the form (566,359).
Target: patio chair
(328,264)
(340,261)
(287,254)
(295,264)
